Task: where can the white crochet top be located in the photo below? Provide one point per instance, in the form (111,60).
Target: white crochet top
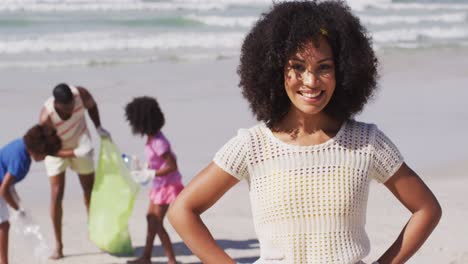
(309,202)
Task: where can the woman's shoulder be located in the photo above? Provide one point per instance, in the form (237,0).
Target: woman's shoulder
(358,134)
(359,126)
(255,131)
(365,133)
(245,136)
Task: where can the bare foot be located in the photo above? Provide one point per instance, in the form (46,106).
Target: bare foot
(140,260)
(57,254)
(172,261)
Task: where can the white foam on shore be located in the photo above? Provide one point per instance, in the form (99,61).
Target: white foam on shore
(414,34)
(105,6)
(458,17)
(102,41)
(106,61)
(223,21)
(121,5)
(418,6)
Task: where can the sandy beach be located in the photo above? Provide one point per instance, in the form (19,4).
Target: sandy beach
(421,106)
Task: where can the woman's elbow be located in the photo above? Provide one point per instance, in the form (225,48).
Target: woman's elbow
(434,210)
(437,211)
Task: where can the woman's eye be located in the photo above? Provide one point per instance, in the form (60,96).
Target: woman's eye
(325,67)
(298,67)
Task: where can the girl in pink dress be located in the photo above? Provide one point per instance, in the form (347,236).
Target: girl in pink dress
(146,119)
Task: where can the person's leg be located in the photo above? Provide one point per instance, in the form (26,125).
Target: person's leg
(84,167)
(160,212)
(57,186)
(87,183)
(151,232)
(4,229)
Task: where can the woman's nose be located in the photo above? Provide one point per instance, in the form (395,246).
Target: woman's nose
(309,78)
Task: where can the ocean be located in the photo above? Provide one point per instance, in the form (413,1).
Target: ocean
(87,33)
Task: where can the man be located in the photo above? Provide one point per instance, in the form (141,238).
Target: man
(65,111)
(15,161)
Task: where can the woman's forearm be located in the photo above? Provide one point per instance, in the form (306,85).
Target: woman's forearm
(198,196)
(65,153)
(413,235)
(196,236)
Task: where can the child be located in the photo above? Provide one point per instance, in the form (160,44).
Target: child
(306,68)
(146,118)
(15,160)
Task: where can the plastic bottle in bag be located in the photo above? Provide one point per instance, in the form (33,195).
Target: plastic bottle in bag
(132,162)
(126,160)
(138,170)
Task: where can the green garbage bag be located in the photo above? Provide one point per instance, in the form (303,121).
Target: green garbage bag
(112,201)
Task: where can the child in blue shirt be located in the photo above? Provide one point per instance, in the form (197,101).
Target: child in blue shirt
(15,160)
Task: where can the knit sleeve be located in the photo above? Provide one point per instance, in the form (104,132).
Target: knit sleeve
(232,157)
(386,160)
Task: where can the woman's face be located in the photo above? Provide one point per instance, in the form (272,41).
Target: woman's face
(309,77)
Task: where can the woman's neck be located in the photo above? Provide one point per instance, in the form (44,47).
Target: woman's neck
(307,124)
(299,128)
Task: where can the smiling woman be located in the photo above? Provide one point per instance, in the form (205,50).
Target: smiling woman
(306,68)
(274,43)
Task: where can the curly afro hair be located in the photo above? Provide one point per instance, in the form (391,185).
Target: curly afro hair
(144,115)
(283,31)
(42,140)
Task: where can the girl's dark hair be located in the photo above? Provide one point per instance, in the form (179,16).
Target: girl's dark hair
(42,140)
(63,94)
(284,30)
(144,115)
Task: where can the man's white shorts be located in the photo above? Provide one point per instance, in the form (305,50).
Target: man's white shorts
(81,165)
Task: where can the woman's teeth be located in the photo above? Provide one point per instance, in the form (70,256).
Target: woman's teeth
(311,95)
